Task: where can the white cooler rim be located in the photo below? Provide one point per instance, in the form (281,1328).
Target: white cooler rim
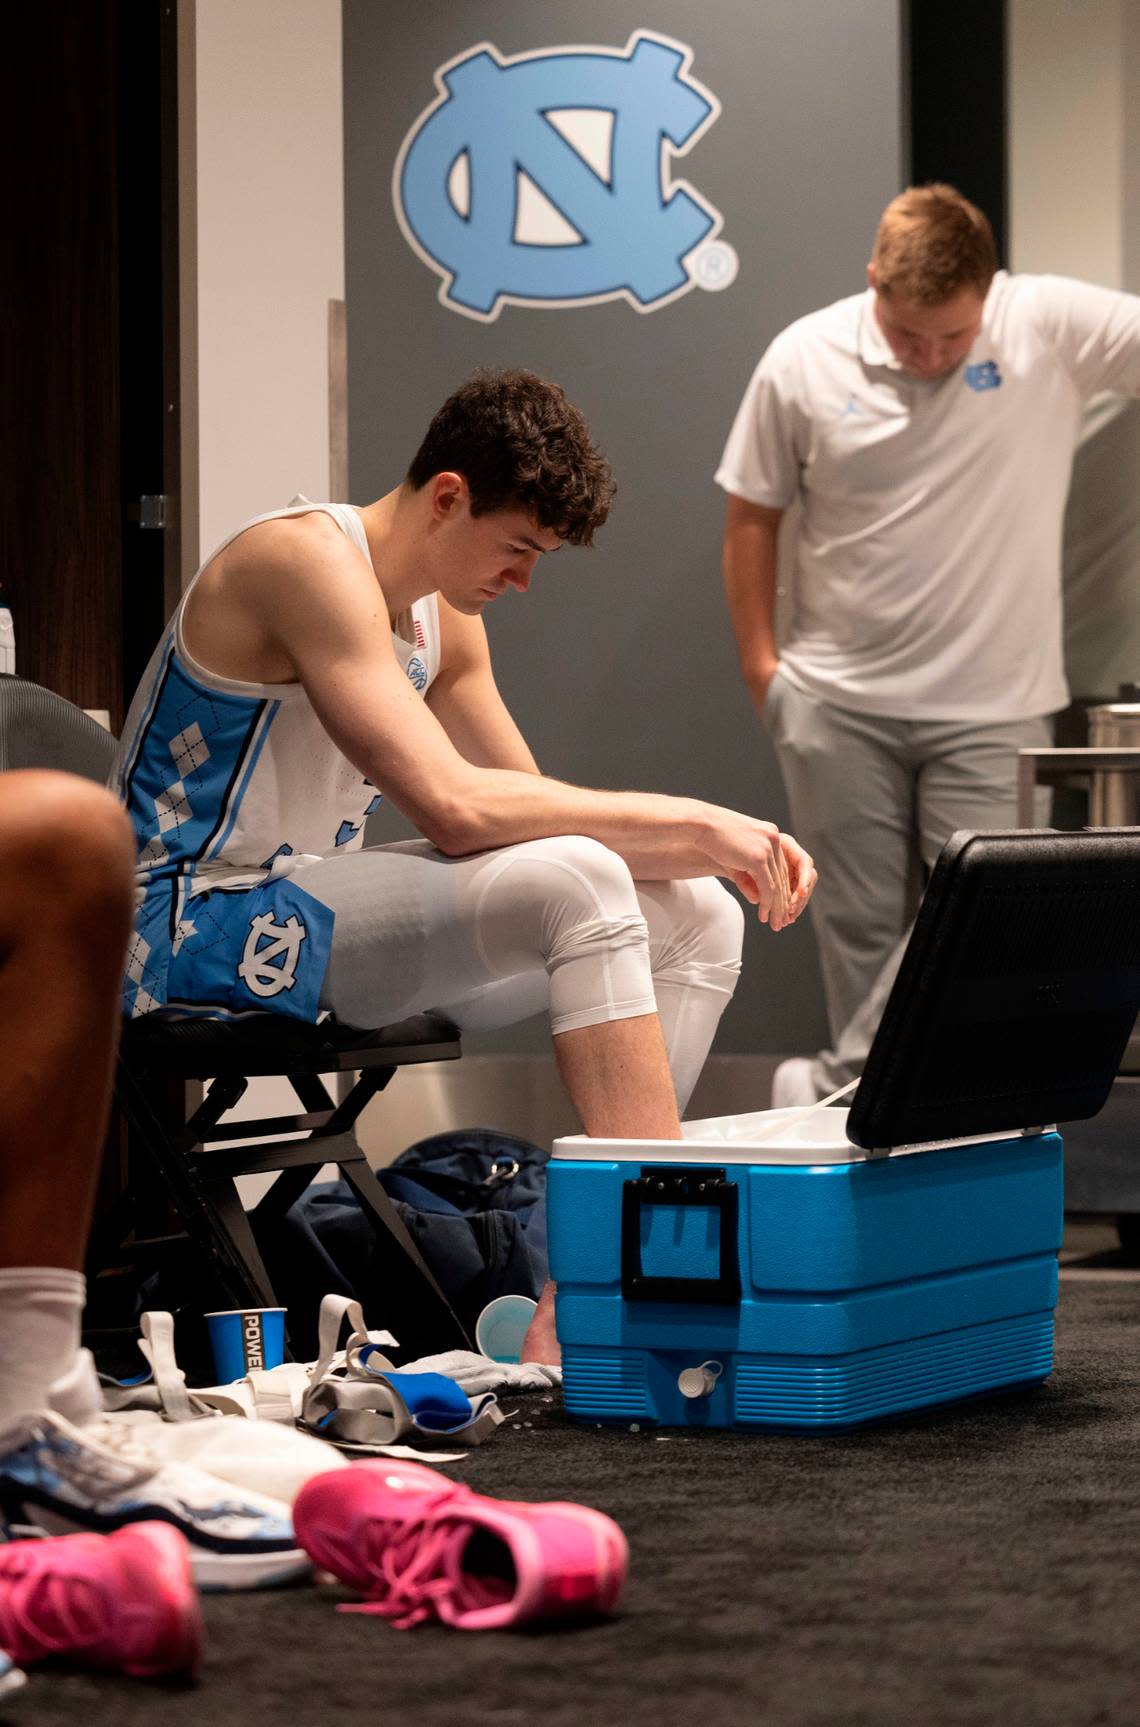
(818,1139)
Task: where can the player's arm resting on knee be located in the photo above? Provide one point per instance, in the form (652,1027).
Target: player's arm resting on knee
(465,699)
(751,534)
(327,619)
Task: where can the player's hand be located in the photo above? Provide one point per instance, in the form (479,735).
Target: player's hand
(771,870)
(801,874)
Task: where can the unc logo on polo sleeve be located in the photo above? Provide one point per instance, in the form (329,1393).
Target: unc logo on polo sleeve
(984,376)
(541,179)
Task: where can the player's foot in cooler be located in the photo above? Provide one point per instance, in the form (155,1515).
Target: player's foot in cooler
(541,1341)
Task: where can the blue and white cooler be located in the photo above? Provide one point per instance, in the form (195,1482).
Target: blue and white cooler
(819,1269)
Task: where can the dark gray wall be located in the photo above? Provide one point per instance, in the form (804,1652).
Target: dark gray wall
(619,664)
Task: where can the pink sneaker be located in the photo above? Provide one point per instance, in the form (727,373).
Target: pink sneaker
(125,1601)
(420,1546)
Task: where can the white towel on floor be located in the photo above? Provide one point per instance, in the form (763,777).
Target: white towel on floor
(472,1372)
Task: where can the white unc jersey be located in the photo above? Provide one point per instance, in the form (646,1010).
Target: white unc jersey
(225,782)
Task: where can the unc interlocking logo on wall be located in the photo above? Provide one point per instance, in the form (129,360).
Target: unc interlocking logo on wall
(544,179)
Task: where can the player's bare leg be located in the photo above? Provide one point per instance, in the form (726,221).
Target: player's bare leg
(66,859)
(617,1076)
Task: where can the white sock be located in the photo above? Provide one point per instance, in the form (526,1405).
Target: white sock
(40,1312)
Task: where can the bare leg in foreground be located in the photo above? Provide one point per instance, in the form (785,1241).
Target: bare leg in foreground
(66,893)
(66,856)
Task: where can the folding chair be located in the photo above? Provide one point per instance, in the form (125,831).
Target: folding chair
(194,1164)
(198,1166)
(39,729)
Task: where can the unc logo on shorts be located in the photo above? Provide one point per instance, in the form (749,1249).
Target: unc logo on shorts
(268,969)
(543,179)
(417,672)
(984,376)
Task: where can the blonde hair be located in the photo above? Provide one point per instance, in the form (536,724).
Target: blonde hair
(931,242)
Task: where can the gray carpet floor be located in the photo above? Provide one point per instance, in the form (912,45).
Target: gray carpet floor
(977,1565)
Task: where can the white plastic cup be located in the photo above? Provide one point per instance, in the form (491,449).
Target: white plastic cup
(502,1325)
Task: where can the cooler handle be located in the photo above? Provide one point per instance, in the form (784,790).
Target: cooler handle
(670,1184)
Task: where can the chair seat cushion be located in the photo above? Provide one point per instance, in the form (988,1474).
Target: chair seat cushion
(271,1043)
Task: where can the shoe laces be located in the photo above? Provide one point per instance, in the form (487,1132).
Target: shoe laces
(416,1564)
(45,1608)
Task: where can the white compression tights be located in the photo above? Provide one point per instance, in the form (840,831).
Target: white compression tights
(553,924)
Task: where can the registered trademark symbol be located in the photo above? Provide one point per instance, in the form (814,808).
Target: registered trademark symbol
(713,265)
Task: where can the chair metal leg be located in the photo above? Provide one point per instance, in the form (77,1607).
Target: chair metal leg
(415,1306)
(313,1092)
(222,1203)
(287,1189)
(412,1287)
(208,1204)
(202,1222)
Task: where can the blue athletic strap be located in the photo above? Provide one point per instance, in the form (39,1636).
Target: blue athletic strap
(431,1400)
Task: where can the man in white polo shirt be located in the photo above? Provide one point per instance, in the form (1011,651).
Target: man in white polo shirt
(926,427)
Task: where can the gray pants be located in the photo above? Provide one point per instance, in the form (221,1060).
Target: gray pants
(874,800)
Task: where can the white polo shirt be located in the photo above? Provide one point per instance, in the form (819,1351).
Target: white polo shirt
(928,566)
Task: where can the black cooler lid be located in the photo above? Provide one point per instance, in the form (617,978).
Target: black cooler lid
(1017,992)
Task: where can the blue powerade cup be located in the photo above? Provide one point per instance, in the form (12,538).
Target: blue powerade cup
(246,1340)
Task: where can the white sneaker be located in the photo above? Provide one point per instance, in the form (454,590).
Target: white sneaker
(260,1457)
(792,1084)
(250,1455)
(60,1479)
(12,1678)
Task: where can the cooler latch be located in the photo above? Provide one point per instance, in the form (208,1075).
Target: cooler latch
(672,1185)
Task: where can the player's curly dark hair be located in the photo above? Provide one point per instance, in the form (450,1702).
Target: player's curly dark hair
(519,444)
